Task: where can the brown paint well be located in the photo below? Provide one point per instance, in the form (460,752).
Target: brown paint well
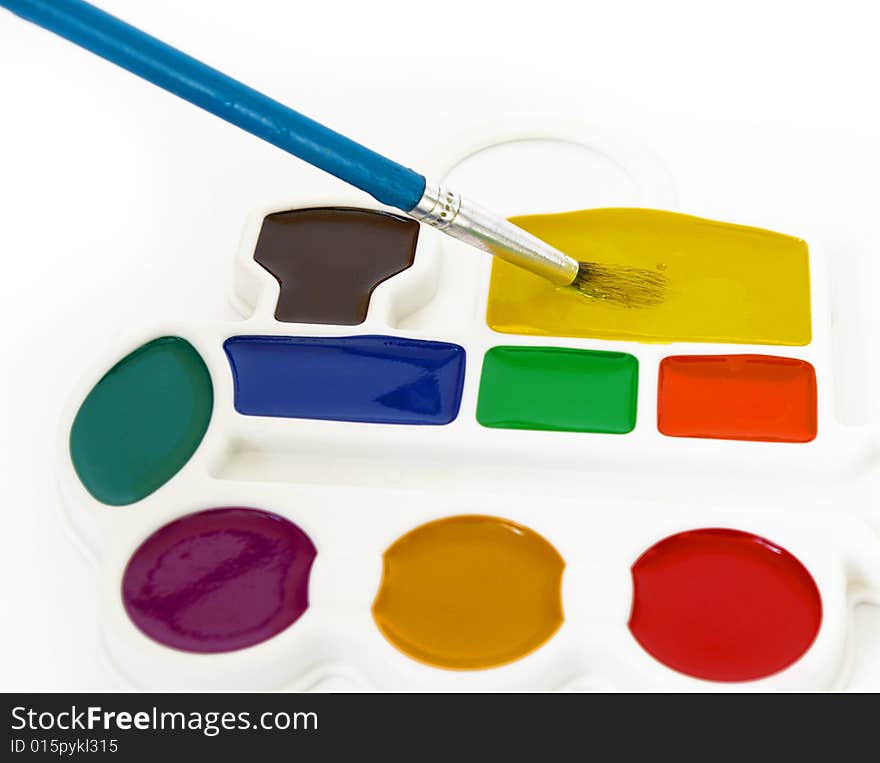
(470,592)
(328,260)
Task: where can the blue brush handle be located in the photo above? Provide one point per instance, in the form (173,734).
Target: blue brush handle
(91,28)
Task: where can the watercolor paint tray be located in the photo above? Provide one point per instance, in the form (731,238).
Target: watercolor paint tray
(356,491)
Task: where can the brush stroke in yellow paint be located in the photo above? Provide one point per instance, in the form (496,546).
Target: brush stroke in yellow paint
(727,283)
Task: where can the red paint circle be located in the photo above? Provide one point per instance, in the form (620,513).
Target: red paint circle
(723,605)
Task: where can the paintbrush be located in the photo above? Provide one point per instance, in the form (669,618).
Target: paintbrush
(386,181)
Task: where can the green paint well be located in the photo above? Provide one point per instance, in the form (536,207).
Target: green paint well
(558,389)
(142,421)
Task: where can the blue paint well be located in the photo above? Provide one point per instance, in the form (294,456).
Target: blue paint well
(375,379)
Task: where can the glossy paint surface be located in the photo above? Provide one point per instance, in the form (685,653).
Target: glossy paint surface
(375,379)
(727,283)
(737,397)
(142,421)
(469,592)
(329,260)
(219,580)
(558,389)
(723,605)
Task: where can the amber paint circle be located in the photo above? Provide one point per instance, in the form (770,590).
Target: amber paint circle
(470,592)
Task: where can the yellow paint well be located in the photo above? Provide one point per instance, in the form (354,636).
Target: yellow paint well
(727,283)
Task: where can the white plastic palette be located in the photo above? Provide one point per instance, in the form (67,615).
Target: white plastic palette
(600,500)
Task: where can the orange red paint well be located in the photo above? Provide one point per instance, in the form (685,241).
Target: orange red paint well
(737,397)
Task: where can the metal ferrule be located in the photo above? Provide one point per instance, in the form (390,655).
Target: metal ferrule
(444,209)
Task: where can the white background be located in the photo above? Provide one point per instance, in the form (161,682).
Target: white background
(119,202)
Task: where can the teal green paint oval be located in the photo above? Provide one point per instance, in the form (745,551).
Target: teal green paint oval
(142,421)
(558,389)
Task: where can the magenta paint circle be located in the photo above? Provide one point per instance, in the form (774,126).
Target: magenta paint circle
(219,580)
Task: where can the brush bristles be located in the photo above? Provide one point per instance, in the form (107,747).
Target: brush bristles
(620,284)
